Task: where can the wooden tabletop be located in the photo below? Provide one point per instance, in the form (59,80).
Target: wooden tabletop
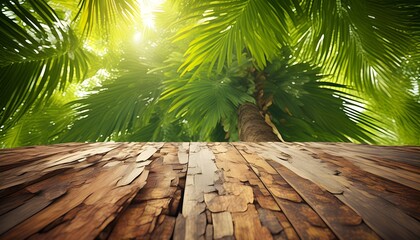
(210,191)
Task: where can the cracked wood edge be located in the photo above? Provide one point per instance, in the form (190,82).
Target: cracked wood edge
(356,196)
(305,221)
(404,197)
(255,213)
(95,195)
(192,224)
(152,213)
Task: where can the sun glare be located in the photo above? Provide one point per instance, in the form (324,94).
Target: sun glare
(137,37)
(148,8)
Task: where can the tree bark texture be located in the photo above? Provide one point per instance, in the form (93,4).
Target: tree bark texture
(252,127)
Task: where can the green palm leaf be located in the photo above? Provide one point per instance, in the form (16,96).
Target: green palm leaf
(41,126)
(39,55)
(163,126)
(357,40)
(122,104)
(104,16)
(308,108)
(399,110)
(221,29)
(204,102)
(208,101)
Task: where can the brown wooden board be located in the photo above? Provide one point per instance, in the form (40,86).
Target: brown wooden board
(210,191)
(302,217)
(406,198)
(152,212)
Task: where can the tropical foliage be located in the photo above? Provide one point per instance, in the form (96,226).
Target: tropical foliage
(128,70)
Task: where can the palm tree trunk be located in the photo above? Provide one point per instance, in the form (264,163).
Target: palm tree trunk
(252,127)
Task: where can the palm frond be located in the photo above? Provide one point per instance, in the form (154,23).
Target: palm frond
(221,29)
(399,110)
(120,105)
(205,103)
(102,16)
(308,108)
(39,125)
(162,127)
(39,54)
(357,40)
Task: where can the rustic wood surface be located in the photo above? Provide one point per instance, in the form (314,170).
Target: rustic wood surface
(210,191)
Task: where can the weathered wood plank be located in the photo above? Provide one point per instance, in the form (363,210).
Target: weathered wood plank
(14,200)
(370,194)
(209,191)
(238,182)
(44,166)
(388,221)
(248,225)
(199,181)
(12,158)
(200,175)
(301,162)
(269,219)
(302,217)
(405,198)
(392,154)
(370,217)
(152,212)
(222,224)
(402,173)
(342,220)
(148,150)
(183,149)
(97,194)
(47,190)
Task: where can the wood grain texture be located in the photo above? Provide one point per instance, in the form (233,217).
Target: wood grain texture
(210,191)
